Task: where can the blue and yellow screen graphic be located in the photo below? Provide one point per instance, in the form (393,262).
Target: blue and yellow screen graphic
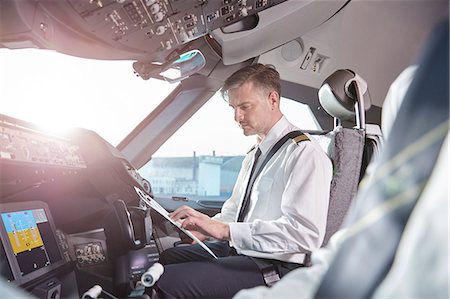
(22,230)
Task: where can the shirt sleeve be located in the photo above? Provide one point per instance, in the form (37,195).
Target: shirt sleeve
(304,188)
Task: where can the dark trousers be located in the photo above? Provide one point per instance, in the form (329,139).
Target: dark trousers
(190,272)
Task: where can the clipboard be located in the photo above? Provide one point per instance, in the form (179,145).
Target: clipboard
(149,201)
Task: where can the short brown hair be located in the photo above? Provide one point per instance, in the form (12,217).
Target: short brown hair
(262,76)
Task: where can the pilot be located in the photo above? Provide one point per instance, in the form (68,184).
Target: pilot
(264,232)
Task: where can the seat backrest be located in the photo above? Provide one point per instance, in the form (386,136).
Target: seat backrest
(347,156)
(345,147)
(350,149)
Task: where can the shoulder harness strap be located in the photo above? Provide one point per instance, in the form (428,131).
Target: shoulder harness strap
(270,272)
(295,136)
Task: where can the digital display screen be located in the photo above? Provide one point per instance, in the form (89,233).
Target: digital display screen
(31,238)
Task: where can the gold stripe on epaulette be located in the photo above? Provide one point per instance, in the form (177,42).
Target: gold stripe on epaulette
(300,138)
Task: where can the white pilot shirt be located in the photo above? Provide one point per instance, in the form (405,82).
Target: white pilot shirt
(289,201)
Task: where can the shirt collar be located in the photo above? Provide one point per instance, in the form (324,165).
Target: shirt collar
(275,134)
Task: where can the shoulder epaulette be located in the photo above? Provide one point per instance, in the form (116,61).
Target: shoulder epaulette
(300,138)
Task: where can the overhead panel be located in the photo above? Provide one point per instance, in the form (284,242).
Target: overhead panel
(140,29)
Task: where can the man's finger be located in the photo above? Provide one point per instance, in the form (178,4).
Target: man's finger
(181,212)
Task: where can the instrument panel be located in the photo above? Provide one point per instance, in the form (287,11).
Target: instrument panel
(165,24)
(27,146)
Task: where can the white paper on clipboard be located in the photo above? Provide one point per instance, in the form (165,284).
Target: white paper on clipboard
(163,212)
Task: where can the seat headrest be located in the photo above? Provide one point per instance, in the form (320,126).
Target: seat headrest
(342,93)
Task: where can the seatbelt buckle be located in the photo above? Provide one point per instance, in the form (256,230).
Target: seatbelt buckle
(271,276)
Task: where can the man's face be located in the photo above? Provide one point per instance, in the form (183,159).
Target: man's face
(252,109)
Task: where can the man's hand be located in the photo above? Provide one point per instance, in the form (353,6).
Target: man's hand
(195,221)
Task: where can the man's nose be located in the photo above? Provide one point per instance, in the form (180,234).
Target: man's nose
(237,115)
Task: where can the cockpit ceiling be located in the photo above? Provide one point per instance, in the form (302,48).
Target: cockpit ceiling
(155,30)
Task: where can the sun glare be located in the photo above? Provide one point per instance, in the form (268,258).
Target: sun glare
(58,92)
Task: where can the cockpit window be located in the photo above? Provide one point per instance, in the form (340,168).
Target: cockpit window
(299,114)
(58,91)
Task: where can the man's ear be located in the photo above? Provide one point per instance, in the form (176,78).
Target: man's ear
(274,99)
